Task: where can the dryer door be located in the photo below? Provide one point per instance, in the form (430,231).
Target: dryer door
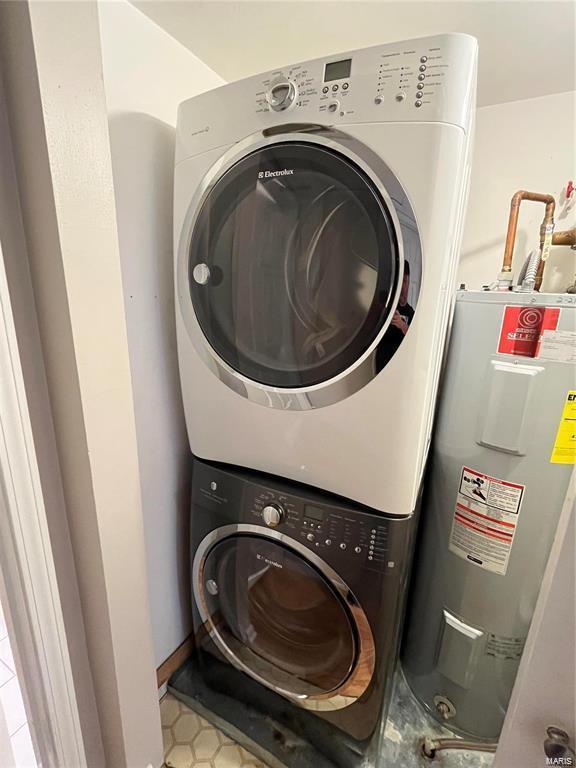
(294,267)
(285,620)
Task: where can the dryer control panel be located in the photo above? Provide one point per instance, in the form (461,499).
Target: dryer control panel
(429,79)
(338,531)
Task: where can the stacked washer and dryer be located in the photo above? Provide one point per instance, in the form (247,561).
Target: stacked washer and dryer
(318,216)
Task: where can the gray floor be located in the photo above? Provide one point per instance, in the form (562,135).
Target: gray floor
(404,730)
(407,725)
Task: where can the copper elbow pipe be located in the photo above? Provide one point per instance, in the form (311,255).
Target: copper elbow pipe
(550,203)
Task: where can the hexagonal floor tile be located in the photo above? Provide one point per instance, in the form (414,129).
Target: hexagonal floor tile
(169,711)
(186,727)
(206,744)
(228,757)
(223,739)
(180,756)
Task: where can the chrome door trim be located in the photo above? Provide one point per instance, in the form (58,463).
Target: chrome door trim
(360,676)
(363,370)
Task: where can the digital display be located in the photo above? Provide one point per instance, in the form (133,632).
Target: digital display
(314,513)
(336,70)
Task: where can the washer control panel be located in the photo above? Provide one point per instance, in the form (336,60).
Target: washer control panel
(343,534)
(325,528)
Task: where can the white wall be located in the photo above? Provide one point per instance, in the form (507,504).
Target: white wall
(146,75)
(529,145)
(522,42)
(52,65)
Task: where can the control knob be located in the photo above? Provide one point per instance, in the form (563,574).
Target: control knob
(281,95)
(272,514)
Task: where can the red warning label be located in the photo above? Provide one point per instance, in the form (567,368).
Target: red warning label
(522,329)
(485,520)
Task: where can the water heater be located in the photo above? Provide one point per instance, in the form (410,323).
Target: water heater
(501,461)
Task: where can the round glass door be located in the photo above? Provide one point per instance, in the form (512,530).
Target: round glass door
(277,616)
(293,265)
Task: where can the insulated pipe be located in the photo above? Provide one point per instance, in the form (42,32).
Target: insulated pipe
(548,220)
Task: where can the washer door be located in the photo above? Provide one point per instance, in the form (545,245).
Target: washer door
(277,616)
(293,264)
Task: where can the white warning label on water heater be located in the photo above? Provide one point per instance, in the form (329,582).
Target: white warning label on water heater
(485,519)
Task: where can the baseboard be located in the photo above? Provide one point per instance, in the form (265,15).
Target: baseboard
(175,660)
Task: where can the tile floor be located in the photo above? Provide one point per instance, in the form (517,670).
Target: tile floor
(192,742)
(12,706)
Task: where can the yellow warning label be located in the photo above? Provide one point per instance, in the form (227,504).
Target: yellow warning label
(564,451)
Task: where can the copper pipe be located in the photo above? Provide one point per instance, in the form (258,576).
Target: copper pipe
(566,237)
(562,238)
(550,203)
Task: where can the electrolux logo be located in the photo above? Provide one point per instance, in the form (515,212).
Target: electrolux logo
(267,561)
(272,174)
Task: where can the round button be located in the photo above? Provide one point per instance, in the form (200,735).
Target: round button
(422,68)
(345,86)
(328,542)
(423,59)
(310,536)
(400,96)
(211,587)
(421,77)
(357,550)
(419,95)
(201,273)
(335,87)
(418,103)
(343,545)
(272,515)
(379,99)
(333,106)
(325,89)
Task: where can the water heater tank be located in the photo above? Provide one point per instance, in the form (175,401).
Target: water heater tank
(502,456)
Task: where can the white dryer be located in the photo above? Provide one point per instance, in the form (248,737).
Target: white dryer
(318,217)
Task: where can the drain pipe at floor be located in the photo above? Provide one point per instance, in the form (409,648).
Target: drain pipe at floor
(431,746)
